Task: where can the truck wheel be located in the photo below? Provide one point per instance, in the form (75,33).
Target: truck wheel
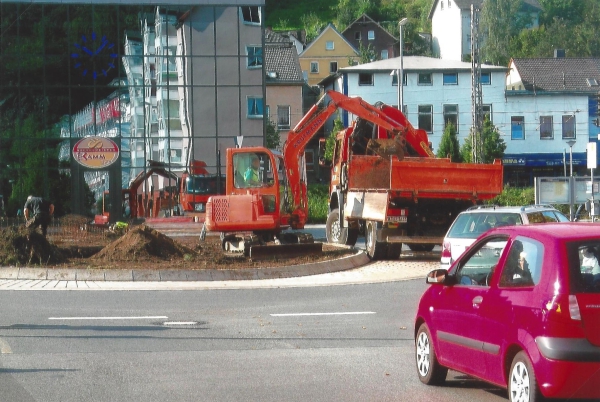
(394,250)
(376,250)
(421,247)
(336,233)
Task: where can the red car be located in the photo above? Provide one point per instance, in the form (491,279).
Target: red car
(519,309)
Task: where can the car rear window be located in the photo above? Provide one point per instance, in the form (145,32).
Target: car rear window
(471,225)
(546,216)
(584,266)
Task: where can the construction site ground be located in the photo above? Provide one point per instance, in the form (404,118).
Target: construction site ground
(72,243)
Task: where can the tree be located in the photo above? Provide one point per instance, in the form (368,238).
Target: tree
(493,144)
(312,26)
(449,145)
(330,141)
(273,139)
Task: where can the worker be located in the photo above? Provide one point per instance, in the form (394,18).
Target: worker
(251,176)
(37,212)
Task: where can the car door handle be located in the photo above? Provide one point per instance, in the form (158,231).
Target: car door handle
(477,301)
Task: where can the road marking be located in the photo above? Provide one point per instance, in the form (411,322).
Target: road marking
(156,317)
(309,314)
(180,323)
(4,348)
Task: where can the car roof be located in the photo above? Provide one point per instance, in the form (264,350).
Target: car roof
(565,231)
(517,209)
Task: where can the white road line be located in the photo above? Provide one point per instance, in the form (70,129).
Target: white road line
(310,314)
(180,323)
(4,348)
(156,317)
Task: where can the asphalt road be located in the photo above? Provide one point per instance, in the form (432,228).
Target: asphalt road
(327,343)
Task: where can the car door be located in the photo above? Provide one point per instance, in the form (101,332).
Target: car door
(457,320)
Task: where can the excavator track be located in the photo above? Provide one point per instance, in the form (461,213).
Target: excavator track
(288,245)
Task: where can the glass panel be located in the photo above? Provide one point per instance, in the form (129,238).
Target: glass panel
(517,124)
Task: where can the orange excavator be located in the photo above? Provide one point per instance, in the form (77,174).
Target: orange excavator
(266,191)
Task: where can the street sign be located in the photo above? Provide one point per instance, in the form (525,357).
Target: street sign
(592,162)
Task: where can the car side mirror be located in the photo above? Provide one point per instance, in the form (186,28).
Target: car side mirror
(437,276)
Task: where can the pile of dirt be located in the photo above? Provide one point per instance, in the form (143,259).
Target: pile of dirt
(24,246)
(144,243)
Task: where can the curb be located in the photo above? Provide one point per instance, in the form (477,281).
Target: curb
(137,275)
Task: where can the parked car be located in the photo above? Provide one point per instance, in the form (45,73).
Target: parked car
(470,224)
(519,309)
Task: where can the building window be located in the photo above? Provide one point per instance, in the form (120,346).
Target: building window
(333,67)
(568,126)
(251,14)
(371,35)
(384,54)
(425,79)
(357,35)
(283,117)
(309,159)
(395,78)
(517,128)
(486,78)
(487,112)
(546,132)
(451,116)
(365,79)
(449,3)
(255,56)
(442,4)
(329,45)
(450,78)
(255,107)
(426,118)
(314,67)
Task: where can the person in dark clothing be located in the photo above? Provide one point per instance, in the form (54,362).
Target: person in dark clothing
(37,212)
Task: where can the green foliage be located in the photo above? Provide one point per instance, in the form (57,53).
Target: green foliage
(286,15)
(318,203)
(493,144)
(449,145)
(312,25)
(367,54)
(501,21)
(512,196)
(273,139)
(330,141)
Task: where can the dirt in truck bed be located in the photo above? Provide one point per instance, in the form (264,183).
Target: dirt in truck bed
(74,244)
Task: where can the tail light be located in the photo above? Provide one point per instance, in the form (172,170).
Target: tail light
(446,249)
(397,215)
(574,308)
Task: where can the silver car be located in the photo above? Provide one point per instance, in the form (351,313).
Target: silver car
(473,222)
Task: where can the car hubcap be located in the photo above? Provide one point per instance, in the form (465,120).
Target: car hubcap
(423,354)
(519,383)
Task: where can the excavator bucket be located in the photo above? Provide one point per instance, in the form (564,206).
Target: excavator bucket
(387,147)
(285,251)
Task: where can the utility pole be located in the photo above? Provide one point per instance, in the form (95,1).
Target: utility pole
(476,91)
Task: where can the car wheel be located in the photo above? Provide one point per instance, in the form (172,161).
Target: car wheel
(376,250)
(428,368)
(336,233)
(522,384)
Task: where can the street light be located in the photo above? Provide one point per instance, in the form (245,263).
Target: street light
(401,24)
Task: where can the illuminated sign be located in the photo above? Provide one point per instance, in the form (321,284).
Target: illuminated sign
(95,152)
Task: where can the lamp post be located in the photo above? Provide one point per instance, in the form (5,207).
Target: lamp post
(401,24)
(570,143)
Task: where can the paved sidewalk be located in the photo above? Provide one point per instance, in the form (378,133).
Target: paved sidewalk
(377,272)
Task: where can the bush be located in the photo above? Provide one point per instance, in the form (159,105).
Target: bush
(318,203)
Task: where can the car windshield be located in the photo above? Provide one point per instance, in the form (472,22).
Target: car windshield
(471,225)
(584,269)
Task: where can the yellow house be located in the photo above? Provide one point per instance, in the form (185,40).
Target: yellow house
(326,54)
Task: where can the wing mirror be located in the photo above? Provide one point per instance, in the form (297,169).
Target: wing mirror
(437,276)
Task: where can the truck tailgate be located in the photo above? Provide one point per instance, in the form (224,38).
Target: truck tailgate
(425,177)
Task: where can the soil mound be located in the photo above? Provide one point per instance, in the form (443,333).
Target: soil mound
(23,246)
(144,243)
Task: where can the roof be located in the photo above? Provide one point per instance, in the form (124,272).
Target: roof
(329,26)
(281,60)
(366,19)
(558,74)
(466,4)
(419,63)
(562,231)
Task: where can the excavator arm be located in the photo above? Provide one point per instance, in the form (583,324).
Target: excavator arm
(305,130)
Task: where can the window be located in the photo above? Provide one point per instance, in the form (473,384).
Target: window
(451,116)
(479,267)
(365,79)
(255,56)
(426,118)
(255,107)
(371,35)
(568,126)
(251,14)
(384,54)
(314,67)
(395,78)
(329,45)
(333,67)
(517,128)
(442,4)
(309,158)
(450,78)
(546,128)
(487,112)
(283,117)
(486,78)
(425,79)
(449,3)
(523,264)
(357,35)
